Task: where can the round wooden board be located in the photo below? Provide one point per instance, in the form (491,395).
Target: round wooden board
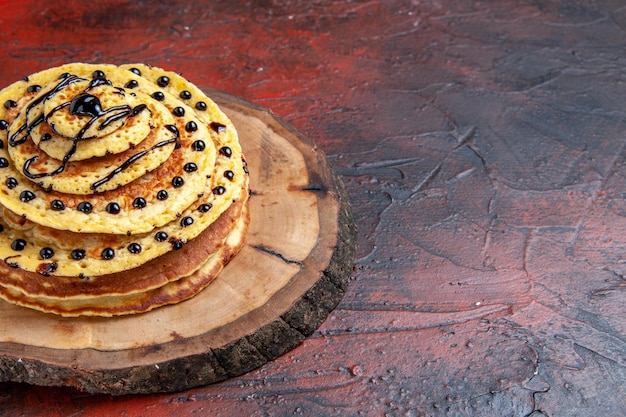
(289,276)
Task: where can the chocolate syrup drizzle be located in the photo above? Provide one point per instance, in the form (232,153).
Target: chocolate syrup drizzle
(20,137)
(134,159)
(83,104)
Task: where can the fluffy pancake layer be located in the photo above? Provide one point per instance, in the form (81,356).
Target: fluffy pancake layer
(153,285)
(107,172)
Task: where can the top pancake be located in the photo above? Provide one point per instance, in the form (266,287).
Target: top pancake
(117,136)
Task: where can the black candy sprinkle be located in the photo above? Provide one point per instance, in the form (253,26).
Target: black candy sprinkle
(134,248)
(57,205)
(161,237)
(10,103)
(139,202)
(229,175)
(98,74)
(136,71)
(178,182)
(107,254)
(46,253)
(185,95)
(11,183)
(162,195)
(178,111)
(18,244)
(226,151)
(132,84)
(177,244)
(84,207)
(4,125)
(191,126)
(190,167)
(33,88)
(198,146)
(78,254)
(219,190)
(186,221)
(204,208)
(163,81)
(113,208)
(201,105)
(4,162)
(158,96)
(27,195)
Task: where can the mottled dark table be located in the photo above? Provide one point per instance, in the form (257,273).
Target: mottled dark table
(482,145)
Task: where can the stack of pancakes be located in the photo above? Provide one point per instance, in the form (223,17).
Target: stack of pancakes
(122,188)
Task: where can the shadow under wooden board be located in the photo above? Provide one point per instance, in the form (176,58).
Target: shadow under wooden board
(288,277)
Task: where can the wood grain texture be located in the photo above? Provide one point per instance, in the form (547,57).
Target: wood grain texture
(482,147)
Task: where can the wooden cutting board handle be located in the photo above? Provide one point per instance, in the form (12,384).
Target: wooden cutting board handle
(289,276)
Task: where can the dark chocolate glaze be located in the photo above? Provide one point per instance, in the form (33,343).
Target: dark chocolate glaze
(47,268)
(217,127)
(11,264)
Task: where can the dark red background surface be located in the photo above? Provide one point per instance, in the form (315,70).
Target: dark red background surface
(482,145)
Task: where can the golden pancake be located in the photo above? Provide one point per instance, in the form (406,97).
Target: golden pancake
(108,174)
(135,129)
(152,274)
(115,305)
